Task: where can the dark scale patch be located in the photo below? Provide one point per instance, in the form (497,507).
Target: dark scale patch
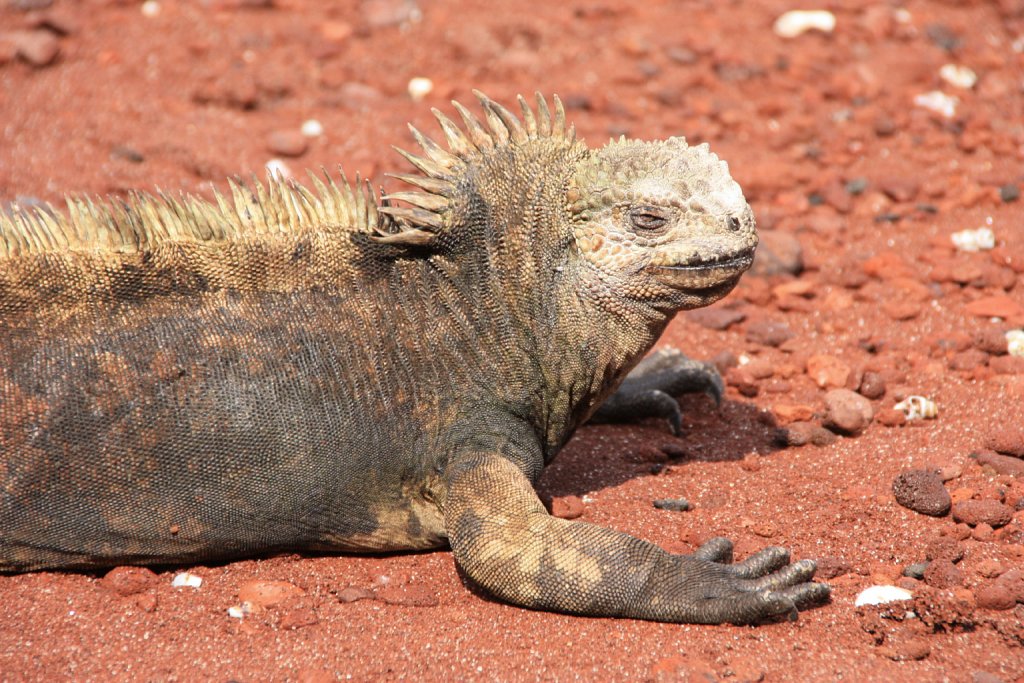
(258,439)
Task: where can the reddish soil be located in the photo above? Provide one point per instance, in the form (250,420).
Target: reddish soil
(822,131)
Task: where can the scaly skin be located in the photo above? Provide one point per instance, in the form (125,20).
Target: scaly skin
(182,381)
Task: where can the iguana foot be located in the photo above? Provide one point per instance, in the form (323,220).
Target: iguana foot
(650,389)
(712,590)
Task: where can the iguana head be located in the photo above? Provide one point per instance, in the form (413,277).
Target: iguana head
(656,223)
(661,221)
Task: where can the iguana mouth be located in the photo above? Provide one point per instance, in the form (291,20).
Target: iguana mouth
(703,275)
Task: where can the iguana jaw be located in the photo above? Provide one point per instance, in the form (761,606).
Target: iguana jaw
(707,275)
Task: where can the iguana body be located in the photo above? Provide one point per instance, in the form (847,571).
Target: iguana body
(182,381)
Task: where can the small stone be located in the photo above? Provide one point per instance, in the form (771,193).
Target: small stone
(922,491)
(1007,439)
(944,548)
(991,512)
(943,574)
(847,412)
(769,333)
(828,371)
(187,580)
(831,567)
(128,580)
(297,617)
(789,413)
(968,360)
(127,153)
(778,253)
(1001,464)
(998,306)
(995,595)
(991,340)
(990,568)
(909,650)
(354,594)
(985,677)
(958,76)
(983,532)
(916,570)
(39,48)
(803,433)
(716,318)
(1007,365)
(872,385)
(267,593)
(287,142)
(901,310)
(567,507)
(1009,193)
(672,504)
(742,380)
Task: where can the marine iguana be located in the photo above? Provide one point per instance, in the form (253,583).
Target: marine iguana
(185,381)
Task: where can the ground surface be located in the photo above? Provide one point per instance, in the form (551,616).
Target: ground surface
(838,161)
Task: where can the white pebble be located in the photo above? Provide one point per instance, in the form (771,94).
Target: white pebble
(974,240)
(938,102)
(240,611)
(792,24)
(312,128)
(879,595)
(1015,342)
(958,75)
(278,169)
(918,408)
(150,8)
(420,87)
(188,580)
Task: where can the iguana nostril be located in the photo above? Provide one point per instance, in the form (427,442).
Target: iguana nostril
(733,223)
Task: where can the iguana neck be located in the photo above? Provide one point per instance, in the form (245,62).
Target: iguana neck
(560,338)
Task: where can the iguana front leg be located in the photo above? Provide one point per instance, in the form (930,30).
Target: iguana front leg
(506,542)
(650,389)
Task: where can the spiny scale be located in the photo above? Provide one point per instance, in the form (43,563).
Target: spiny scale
(254,209)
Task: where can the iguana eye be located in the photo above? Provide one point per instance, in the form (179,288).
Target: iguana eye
(646,218)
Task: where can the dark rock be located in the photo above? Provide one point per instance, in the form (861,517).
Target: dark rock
(672,504)
(916,570)
(922,491)
(1009,193)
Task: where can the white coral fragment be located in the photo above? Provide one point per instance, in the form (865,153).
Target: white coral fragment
(419,88)
(938,102)
(918,408)
(958,75)
(791,24)
(187,580)
(974,240)
(1015,342)
(880,595)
